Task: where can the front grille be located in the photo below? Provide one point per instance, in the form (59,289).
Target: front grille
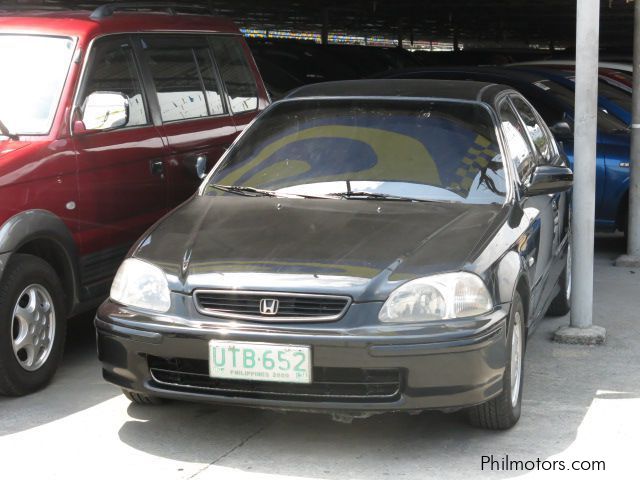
(329,384)
(291,306)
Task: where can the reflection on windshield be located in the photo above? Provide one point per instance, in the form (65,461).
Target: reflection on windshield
(34,71)
(442,151)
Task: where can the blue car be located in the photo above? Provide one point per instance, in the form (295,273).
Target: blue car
(552,94)
(611,99)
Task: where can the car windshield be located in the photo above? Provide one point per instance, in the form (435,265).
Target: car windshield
(442,151)
(34,71)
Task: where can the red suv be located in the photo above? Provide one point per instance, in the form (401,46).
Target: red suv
(108,119)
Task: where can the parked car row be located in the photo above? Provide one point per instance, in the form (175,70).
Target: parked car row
(358,247)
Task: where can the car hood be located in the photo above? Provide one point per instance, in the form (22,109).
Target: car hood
(362,248)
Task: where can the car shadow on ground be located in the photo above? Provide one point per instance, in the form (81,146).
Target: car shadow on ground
(76,386)
(559,393)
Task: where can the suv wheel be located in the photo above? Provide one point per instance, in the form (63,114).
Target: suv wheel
(503,412)
(32,325)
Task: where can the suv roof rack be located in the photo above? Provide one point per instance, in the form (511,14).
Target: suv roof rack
(109,9)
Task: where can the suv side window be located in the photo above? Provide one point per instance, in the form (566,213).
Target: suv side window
(113,68)
(536,130)
(236,74)
(516,137)
(185,80)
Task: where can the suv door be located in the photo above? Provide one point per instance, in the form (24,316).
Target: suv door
(120,170)
(191,106)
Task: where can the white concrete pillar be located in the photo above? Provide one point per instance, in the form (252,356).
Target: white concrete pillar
(581,329)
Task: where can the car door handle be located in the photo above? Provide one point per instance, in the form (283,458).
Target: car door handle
(157,167)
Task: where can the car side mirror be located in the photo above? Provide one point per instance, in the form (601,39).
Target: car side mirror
(103,111)
(561,129)
(548,179)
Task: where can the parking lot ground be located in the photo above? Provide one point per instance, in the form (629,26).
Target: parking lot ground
(580,403)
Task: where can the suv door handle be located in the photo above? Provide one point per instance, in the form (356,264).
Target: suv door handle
(157,167)
(197,166)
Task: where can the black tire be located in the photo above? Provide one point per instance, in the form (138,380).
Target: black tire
(561,304)
(500,413)
(141,398)
(21,272)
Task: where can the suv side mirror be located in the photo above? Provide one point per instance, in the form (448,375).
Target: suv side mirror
(547,179)
(561,129)
(103,111)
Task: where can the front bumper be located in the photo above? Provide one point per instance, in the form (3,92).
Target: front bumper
(422,368)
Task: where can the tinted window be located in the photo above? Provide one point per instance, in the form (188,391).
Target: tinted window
(535,130)
(210,80)
(236,74)
(440,151)
(113,69)
(177,80)
(184,75)
(516,136)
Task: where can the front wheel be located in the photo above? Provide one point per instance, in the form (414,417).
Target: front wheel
(503,412)
(32,325)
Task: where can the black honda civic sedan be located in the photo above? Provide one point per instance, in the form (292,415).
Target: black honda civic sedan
(364,246)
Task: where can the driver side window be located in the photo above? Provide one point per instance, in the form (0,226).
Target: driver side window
(516,136)
(113,69)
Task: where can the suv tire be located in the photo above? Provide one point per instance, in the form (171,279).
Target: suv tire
(32,325)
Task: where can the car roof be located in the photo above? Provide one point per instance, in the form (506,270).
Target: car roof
(78,23)
(627,67)
(495,73)
(419,88)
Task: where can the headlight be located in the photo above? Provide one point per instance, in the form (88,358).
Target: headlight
(140,284)
(439,297)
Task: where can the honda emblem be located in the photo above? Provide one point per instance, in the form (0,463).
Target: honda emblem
(269,306)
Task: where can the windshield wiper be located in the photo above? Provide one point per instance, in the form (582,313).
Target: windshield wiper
(247,191)
(5,131)
(374,196)
(258,192)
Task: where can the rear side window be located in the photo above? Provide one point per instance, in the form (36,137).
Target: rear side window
(236,74)
(185,79)
(534,128)
(113,68)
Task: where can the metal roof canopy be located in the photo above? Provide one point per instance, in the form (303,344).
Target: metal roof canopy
(477,23)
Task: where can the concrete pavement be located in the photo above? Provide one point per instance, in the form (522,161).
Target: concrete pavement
(580,403)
